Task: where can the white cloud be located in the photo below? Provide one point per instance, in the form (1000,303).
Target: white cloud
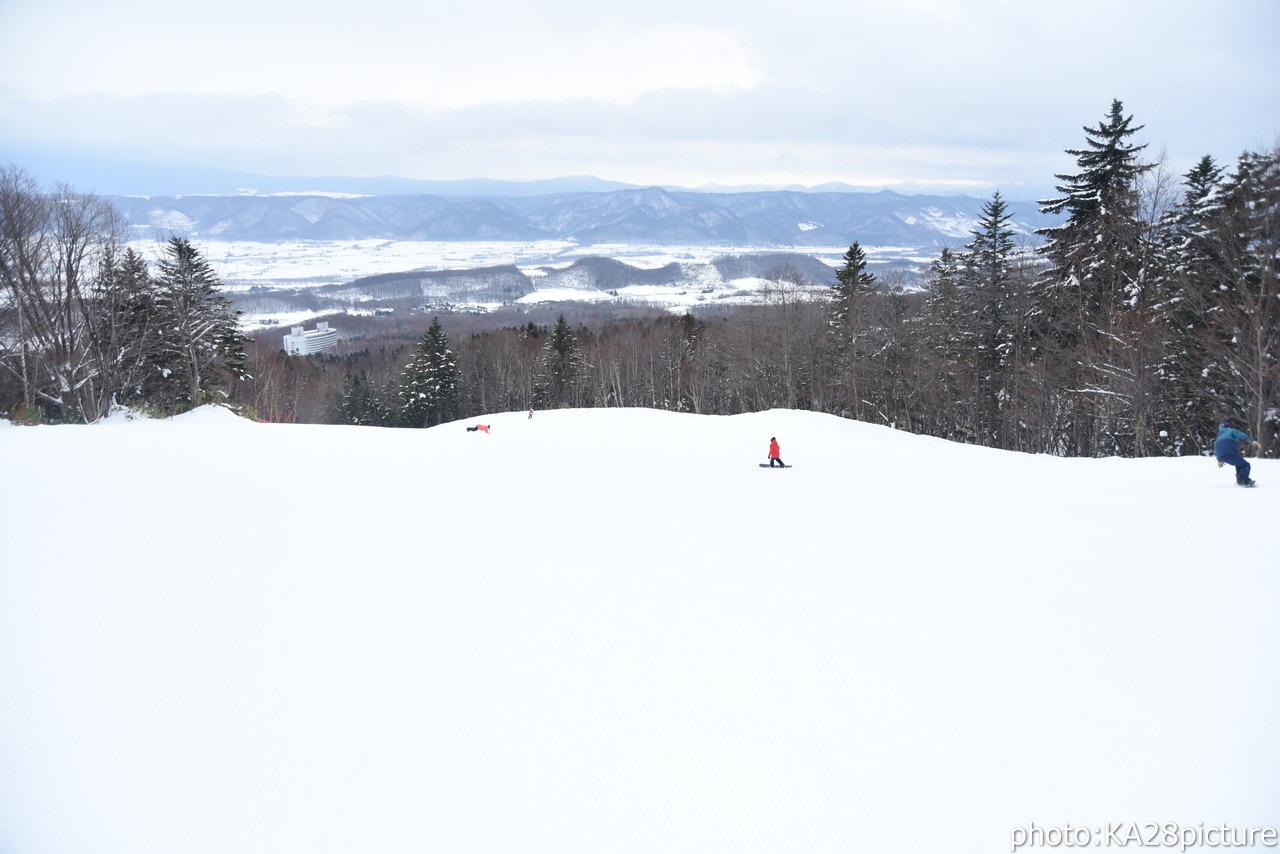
(425,56)
(817,90)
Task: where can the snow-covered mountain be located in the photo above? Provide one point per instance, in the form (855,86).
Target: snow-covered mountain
(675,285)
(610,631)
(787,218)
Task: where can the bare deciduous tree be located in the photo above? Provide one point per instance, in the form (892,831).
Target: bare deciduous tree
(53,248)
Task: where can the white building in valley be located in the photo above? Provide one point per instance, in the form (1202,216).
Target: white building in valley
(302,342)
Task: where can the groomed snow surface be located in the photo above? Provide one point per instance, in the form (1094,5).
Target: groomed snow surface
(611,631)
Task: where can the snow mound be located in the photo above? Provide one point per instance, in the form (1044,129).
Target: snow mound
(611,631)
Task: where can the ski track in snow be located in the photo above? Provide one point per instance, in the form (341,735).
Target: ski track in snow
(609,630)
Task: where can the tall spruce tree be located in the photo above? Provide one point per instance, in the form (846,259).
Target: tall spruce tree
(1192,381)
(198,345)
(989,327)
(1098,264)
(854,286)
(1093,255)
(850,319)
(562,366)
(429,387)
(944,340)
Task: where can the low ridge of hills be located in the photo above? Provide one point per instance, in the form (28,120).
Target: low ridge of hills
(652,214)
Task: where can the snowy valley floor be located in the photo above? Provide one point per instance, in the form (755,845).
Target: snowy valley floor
(610,631)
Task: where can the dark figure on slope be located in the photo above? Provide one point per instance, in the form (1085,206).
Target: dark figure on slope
(1227,450)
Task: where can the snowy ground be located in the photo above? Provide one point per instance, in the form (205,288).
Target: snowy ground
(242,265)
(610,631)
(309,263)
(300,264)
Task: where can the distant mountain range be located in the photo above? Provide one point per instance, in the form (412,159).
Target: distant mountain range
(626,215)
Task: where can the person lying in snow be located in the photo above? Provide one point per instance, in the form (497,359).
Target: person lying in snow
(483,428)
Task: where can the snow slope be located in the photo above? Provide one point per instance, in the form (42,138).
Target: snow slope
(610,631)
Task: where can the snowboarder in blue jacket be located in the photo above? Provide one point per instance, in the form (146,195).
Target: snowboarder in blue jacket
(1227,450)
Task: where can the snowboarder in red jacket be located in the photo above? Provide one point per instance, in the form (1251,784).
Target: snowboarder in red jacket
(775,453)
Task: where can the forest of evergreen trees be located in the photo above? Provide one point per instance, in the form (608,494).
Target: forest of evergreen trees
(1151,313)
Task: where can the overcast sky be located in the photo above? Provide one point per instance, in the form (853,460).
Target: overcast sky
(978,94)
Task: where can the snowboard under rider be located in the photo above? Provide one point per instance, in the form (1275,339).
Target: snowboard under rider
(775,453)
(1227,450)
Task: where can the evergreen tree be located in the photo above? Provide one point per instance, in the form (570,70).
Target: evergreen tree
(562,365)
(229,343)
(854,286)
(1185,224)
(990,330)
(1108,169)
(390,405)
(1094,252)
(127,317)
(987,280)
(1243,335)
(1192,381)
(946,340)
(849,321)
(990,251)
(360,403)
(1098,263)
(429,387)
(197,334)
